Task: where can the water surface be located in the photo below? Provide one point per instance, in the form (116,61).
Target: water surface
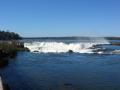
(63,71)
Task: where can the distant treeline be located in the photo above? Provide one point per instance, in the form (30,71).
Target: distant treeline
(112,38)
(73,38)
(6,35)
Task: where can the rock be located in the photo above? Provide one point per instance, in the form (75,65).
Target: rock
(70,51)
(35,51)
(116,43)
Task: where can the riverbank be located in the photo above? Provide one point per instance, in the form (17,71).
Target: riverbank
(9,49)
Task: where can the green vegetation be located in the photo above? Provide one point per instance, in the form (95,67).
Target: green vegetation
(9,46)
(9,49)
(5,35)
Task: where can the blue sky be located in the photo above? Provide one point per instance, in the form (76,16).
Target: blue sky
(41,18)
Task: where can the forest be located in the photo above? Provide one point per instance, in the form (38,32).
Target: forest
(6,35)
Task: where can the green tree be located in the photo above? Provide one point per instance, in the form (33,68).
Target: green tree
(6,35)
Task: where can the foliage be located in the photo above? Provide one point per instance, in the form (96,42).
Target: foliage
(5,35)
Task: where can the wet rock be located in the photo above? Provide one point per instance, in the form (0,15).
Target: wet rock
(35,51)
(70,51)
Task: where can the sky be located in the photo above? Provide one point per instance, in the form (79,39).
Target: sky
(55,18)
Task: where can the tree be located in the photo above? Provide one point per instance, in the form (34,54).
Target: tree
(6,35)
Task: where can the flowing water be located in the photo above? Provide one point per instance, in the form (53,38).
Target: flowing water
(65,64)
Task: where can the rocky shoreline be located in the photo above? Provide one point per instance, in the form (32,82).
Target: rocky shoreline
(116,43)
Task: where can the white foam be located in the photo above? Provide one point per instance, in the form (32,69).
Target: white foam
(116,52)
(60,47)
